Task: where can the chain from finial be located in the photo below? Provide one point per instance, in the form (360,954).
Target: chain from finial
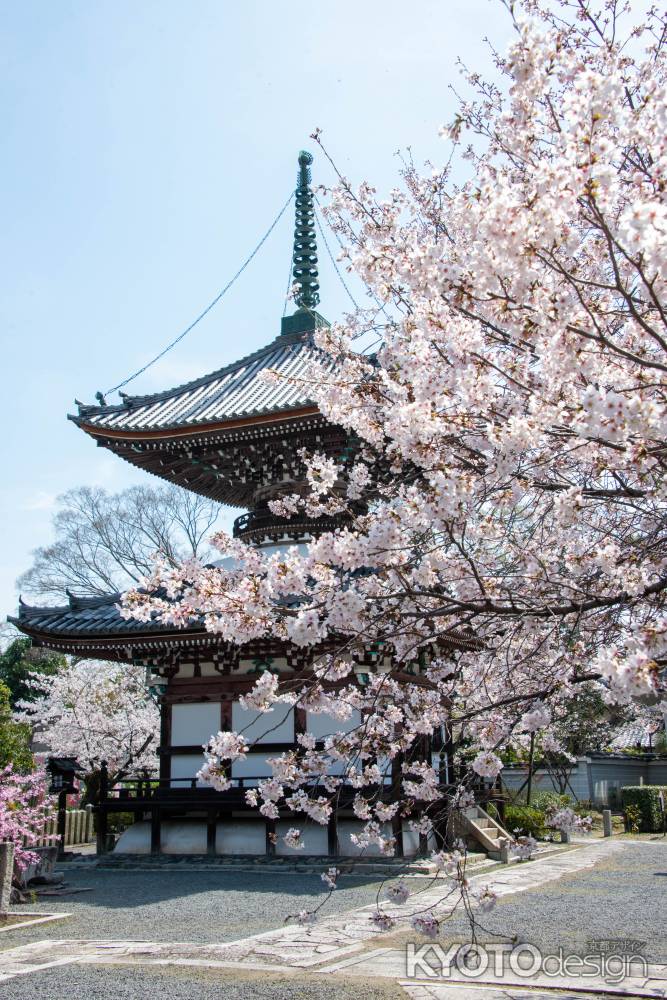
(304,260)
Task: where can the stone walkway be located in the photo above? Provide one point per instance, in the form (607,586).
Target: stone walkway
(346,944)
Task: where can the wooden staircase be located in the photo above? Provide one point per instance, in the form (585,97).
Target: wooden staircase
(477,825)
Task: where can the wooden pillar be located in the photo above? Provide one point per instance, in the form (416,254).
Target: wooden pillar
(299,721)
(156,825)
(226,707)
(211,826)
(395,796)
(531,761)
(62,823)
(270,838)
(332,835)
(102,829)
(165,739)
(102,814)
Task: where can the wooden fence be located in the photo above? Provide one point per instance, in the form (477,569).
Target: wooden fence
(78,829)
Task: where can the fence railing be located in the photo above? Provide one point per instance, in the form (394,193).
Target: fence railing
(78,829)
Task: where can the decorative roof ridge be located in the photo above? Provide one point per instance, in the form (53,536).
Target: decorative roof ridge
(76,603)
(302,338)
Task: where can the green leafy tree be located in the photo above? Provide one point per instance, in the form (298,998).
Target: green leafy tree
(14,737)
(586,722)
(21,659)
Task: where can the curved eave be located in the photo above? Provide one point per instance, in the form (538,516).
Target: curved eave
(139,642)
(194,429)
(128,644)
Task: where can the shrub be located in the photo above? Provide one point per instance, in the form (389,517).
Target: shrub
(526,820)
(646,799)
(632,819)
(550,800)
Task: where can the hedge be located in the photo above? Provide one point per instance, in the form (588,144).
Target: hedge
(528,821)
(645,797)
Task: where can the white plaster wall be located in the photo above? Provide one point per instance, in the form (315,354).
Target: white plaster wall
(315,838)
(252,765)
(183,837)
(241,838)
(186,765)
(275,726)
(135,840)
(249,837)
(346,827)
(320,724)
(192,725)
(411,842)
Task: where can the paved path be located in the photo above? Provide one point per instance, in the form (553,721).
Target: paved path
(344,944)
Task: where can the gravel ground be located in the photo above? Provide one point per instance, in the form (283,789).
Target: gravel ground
(202,906)
(120,983)
(624,896)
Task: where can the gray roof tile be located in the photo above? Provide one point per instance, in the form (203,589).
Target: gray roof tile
(235,391)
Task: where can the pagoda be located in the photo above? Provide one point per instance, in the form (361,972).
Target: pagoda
(235,437)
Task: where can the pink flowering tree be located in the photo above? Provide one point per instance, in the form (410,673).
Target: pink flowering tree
(512,433)
(95,711)
(25,806)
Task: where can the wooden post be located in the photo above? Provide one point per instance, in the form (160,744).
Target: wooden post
(332,835)
(62,823)
(102,814)
(88,835)
(395,795)
(270,838)
(165,740)
(531,758)
(155,829)
(211,826)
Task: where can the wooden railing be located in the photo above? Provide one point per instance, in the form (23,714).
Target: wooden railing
(131,790)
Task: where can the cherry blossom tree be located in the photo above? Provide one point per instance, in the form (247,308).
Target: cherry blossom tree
(24,808)
(96,712)
(512,440)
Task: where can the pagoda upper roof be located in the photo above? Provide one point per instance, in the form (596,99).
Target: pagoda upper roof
(239,391)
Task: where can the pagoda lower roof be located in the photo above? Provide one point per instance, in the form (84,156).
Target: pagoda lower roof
(94,626)
(238,391)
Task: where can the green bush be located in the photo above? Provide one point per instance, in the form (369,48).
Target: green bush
(660,742)
(645,797)
(550,800)
(633,818)
(526,820)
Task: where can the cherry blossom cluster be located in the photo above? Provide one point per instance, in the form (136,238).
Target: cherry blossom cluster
(25,806)
(505,530)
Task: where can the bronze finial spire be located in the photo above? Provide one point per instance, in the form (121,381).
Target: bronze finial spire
(304,258)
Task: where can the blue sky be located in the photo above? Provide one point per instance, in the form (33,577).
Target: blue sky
(147,146)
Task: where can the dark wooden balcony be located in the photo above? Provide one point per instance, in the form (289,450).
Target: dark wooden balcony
(261,523)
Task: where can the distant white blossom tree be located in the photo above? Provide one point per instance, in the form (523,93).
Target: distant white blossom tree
(95,711)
